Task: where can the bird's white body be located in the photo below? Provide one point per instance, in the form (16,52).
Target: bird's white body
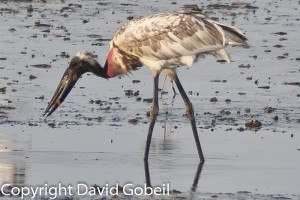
(165,40)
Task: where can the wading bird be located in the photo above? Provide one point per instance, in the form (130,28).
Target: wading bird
(162,42)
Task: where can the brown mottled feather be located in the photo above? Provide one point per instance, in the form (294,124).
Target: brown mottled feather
(171,36)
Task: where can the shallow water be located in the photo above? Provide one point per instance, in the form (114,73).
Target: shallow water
(95,143)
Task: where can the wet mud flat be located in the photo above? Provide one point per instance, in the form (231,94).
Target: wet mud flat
(247,111)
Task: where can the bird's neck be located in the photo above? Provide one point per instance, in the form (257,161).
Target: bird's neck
(104,72)
(111,67)
(98,70)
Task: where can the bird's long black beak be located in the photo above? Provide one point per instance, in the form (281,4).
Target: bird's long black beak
(66,84)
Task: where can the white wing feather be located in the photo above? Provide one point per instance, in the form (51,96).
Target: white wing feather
(173,38)
(169,35)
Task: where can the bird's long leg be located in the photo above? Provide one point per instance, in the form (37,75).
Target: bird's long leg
(153,114)
(174,91)
(147,173)
(197,177)
(163,86)
(190,114)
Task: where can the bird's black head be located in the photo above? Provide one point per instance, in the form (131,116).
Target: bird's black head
(83,62)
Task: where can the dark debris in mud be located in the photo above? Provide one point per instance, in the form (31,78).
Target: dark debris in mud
(264,87)
(268,109)
(32,77)
(3,108)
(213,99)
(231,6)
(244,66)
(133,121)
(280,33)
(253,124)
(3,90)
(63,55)
(252,119)
(43,66)
(292,83)
(39,24)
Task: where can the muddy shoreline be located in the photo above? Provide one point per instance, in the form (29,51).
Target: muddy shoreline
(98,134)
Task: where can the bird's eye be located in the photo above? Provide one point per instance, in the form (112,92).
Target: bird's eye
(74,62)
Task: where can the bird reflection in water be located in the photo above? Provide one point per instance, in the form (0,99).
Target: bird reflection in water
(194,181)
(12,166)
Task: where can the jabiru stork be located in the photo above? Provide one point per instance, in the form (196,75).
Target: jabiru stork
(162,42)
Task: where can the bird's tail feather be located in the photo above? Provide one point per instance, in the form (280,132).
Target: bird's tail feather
(221,53)
(234,36)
